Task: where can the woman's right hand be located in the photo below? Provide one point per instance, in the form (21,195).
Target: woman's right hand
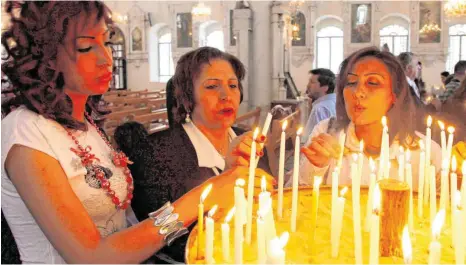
(321,149)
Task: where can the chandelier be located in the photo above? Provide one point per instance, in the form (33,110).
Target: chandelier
(294,7)
(295,32)
(121,19)
(430,28)
(201,11)
(455,8)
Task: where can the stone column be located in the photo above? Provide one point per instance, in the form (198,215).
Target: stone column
(279,37)
(242,28)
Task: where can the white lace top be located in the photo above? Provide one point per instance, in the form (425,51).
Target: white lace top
(24,127)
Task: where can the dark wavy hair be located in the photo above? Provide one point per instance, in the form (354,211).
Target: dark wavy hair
(188,69)
(36,30)
(402,114)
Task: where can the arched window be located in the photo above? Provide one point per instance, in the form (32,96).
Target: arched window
(160,55)
(211,34)
(215,39)
(329,48)
(299,30)
(396,37)
(456,46)
(119,60)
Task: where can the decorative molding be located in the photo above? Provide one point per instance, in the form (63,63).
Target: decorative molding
(300,55)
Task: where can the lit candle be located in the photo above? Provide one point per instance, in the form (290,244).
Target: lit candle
(401,164)
(265,131)
(355,187)
(336,229)
(459,218)
(443,139)
(409,180)
(252,173)
(435,247)
(341,142)
(209,236)
(433,197)
(294,202)
(463,188)
(380,173)
(372,178)
(334,198)
(226,236)
(454,188)
(386,146)
(261,241)
(450,130)
(200,220)
(315,205)
(375,227)
(407,247)
(276,254)
(265,206)
(444,185)
(281,171)
(360,158)
(239,220)
(420,197)
(427,162)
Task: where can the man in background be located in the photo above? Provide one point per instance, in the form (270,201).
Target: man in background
(443,76)
(459,75)
(320,90)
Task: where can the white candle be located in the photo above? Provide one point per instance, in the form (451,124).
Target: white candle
(294,202)
(336,229)
(380,174)
(209,236)
(409,180)
(407,247)
(281,171)
(261,252)
(200,219)
(239,220)
(427,162)
(375,227)
(276,254)
(420,197)
(459,218)
(454,188)
(252,173)
(444,185)
(334,198)
(451,130)
(435,247)
(355,187)
(360,158)
(386,144)
(372,178)
(341,142)
(226,236)
(265,206)
(443,139)
(401,164)
(463,196)
(265,131)
(433,195)
(315,205)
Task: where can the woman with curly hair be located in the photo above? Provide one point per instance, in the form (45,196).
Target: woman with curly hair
(65,190)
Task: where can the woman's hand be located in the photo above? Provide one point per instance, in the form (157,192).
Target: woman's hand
(239,152)
(223,185)
(322,148)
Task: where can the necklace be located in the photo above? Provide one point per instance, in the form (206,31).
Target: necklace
(119,159)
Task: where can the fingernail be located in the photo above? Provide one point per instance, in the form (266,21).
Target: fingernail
(262,138)
(261,153)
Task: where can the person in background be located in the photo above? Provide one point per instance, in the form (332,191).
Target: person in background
(385,48)
(418,80)
(459,76)
(410,65)
(443,76)
(320,90)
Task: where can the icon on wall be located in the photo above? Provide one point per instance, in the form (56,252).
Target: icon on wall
(361,23)
(184,25)
(136,40)
(430,22)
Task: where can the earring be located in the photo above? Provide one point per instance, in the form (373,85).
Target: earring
(187,119)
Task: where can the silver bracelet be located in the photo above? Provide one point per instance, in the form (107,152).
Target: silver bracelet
(168,222)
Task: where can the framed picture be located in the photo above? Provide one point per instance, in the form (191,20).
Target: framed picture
(361,23)
(430,21)
(184,30)
(136,39)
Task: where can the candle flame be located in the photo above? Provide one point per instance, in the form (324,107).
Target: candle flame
(438,223)
(263,184)
(284,239)
(442,125)
(206,192)
(361,146)
(256,133)
(408,155)
(384,121)
(457,201)
(230,214)
(451,129)
(429,121)
(406,245)
(372,164)
(421,145)
(453,164)
(343,191)
(285,123)
(355,157)
(463,168)
(240,182)
(300,130)
(376,198)
(212,211)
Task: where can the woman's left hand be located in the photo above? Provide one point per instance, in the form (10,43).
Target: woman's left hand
(239,152)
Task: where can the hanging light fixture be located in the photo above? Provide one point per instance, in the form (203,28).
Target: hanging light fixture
(430,28)
(294,7)
(201,11)
(455,8)
(295,32)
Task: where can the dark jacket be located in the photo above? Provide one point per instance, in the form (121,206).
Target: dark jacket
(165,168)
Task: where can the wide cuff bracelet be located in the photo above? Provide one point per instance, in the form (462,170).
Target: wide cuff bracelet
(170,227)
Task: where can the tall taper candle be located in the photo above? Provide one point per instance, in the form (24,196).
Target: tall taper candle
(420,197)
(341,142)
(454,184)
(209,236)
(459,217)
(336,228)
(450,130)
(409,180)
(375,227)
(239,220)
(252,174)
(226,236)
(428,144)
(334,198)
(355,187)
(401,164)
(370,196)
(265,131)
(407,247)
(435,247)
(433,194)
(281,171)
(200,220)
(443,139)
(294,196)
(261,242)
(444,185)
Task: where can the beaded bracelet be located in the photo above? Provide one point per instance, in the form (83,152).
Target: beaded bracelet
(170,227)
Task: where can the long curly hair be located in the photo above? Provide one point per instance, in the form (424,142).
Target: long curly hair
(36,30)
